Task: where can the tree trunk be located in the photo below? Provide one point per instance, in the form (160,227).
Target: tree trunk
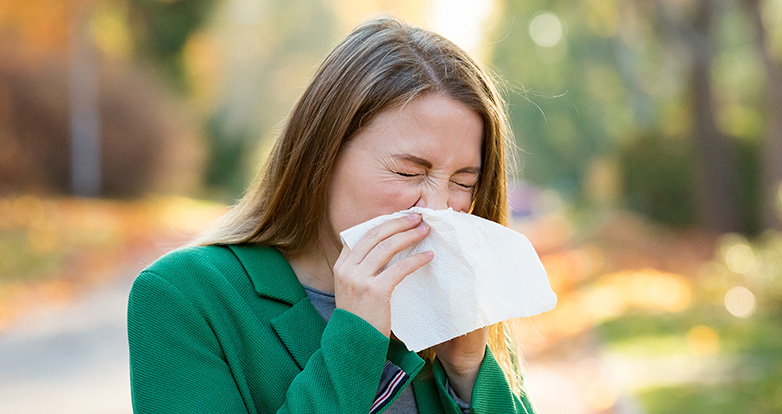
(772,167)
(716,158)
(86,174)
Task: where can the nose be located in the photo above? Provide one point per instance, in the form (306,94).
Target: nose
(434,198)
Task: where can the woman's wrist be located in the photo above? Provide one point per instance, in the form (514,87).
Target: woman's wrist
(461,380)
(463,405)
(461,359)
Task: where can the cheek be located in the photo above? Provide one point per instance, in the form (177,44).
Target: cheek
(391,197)
(358,198)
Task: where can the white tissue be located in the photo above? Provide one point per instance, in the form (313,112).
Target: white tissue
(482,273)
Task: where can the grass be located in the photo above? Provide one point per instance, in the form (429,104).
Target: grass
(19,263)
(750,352)
(758,396)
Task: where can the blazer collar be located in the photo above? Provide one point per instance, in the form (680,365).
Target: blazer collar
(270,273)
(300,326)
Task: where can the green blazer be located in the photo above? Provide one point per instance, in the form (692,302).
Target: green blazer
(229,329)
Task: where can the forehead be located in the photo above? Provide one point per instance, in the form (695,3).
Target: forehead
(430,125)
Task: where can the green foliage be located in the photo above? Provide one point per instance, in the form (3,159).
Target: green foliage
(280,50)
(161,30)
(558,122)
(751,348)
(607,80)
(658,176)
(226,167)
(749,185)
(20,263)
(615,85)
(757,396)
(744,357)
(268,50)
(640,331)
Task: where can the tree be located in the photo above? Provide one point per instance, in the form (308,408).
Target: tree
(714,155)
(161,30)
(655,85)
(772,167)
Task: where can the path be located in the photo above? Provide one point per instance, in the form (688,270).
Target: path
(72,358)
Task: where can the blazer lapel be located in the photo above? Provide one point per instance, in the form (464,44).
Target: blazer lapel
(300,329)
(300,326)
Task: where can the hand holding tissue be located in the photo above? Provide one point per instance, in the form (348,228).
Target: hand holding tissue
(482,273)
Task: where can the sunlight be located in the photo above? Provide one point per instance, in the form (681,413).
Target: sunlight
(109,29)
(602,395)
(740,258)
(740,302)
(702,340)
(461,21)
(545,28)
(651,289)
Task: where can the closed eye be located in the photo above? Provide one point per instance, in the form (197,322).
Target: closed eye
(467,186)
(406,174)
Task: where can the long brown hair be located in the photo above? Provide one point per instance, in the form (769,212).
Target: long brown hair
(381,64)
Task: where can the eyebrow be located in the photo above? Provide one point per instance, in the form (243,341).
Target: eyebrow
(428,165)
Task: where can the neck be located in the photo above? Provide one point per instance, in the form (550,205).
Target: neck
(314,265)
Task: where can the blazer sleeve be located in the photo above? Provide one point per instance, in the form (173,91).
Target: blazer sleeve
(176,363)
(343,375)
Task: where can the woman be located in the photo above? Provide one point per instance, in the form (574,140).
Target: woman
(269,312)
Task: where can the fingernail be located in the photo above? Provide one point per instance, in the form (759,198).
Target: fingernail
(414,217)
(423,228)
(429,253)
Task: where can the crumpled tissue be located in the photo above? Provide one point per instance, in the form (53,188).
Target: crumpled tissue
(482,273)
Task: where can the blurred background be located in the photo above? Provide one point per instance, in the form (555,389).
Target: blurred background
(648,177)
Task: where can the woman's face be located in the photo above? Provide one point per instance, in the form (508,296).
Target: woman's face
(426,154)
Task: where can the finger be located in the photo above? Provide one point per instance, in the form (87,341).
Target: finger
(381,232)
(379,257)
(394,274)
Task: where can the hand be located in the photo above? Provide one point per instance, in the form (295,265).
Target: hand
(461,358)
(363,281)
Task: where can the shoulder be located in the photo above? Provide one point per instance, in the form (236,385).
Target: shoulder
(187,259)
(227,273)
(216,267)
(187,262)
(201,268)
(187,269)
